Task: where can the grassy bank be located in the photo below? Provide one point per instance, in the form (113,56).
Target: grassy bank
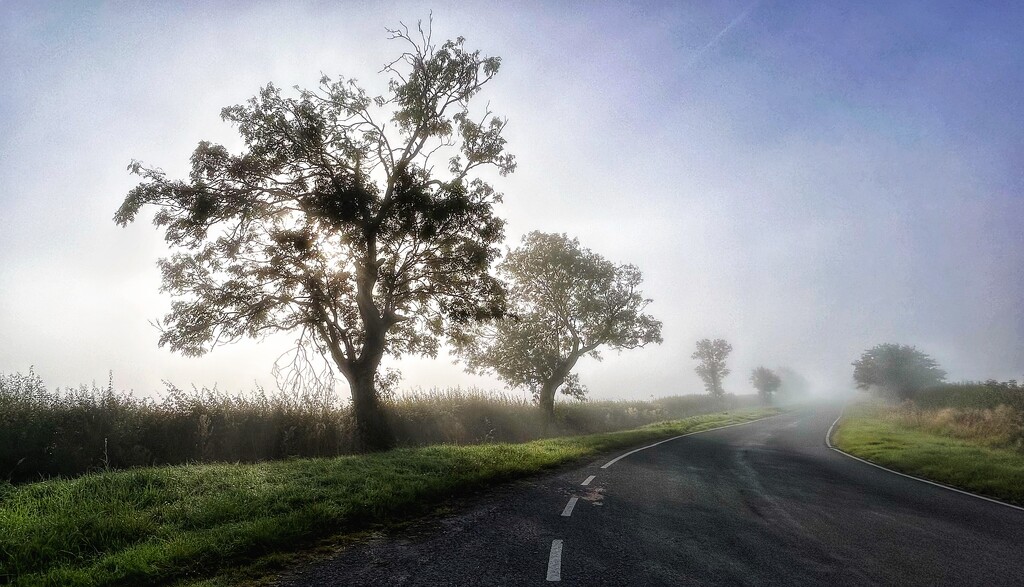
(67,432)
(968,448)
(158,525)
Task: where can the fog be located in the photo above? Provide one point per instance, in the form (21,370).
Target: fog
(802,179)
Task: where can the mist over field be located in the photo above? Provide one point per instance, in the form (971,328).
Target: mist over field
(804,180)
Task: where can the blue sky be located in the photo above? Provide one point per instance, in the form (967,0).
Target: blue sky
(816,178)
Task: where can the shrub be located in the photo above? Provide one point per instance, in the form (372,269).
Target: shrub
(968,394)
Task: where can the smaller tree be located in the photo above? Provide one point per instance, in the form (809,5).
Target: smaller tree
(896,371)
(766,382)
(565,302)
(712,369)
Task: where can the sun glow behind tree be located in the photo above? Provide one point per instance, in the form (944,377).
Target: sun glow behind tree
(335,221)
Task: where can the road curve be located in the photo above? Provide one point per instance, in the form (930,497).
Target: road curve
(765,503)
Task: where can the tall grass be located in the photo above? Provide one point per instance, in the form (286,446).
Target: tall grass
(1002,426)
(989,413)
(68,432)
(458,416)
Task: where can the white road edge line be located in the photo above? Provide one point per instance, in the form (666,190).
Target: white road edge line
(828,435)
(568,507)
(828,443)
(555,561)
(588,480)
(634,451)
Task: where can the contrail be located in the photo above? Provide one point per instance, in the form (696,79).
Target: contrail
(714,40)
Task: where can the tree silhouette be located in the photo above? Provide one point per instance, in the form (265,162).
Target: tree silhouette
(712,369)
(335,222)
(766,382)
(896,371)
(565,303)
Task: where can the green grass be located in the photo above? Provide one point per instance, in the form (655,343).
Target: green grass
(866,432)
(183,523)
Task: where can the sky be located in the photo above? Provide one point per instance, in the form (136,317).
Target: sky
(805,179)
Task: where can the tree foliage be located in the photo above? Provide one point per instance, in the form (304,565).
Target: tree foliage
(565,303)
(896,371)
(711,368)
(766,382)
(336,221)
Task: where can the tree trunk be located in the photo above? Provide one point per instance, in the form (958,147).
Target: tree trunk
(373,431)
(548,389)
(547,402)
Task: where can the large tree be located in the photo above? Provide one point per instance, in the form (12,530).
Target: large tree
(336,221)
(766,382)
(711,368)
(565,302)
(896,371)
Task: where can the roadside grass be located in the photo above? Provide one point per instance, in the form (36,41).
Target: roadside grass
(183,523)
(998,427)
(884,436)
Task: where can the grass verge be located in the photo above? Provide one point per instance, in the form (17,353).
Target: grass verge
(167,524)
(970,465)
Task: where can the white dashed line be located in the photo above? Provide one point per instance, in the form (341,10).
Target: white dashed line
(568,507)
(555,561)
(588,480)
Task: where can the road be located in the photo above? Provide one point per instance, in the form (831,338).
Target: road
(765,503)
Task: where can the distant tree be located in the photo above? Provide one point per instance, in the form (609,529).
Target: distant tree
(565,303)
(766,382)
(712,369)
(896,371)
(335,222)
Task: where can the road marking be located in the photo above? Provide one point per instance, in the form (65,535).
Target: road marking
(588,480)
(828,443)
(568,507)
(620,457)
(555,561)
(828,435)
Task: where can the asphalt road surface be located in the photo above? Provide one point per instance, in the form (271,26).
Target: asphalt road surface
(765,503)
